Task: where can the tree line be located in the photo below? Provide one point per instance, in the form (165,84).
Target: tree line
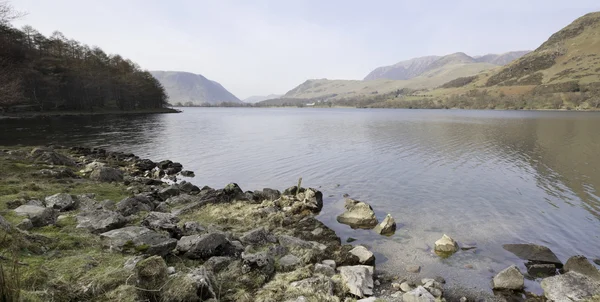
(56,73)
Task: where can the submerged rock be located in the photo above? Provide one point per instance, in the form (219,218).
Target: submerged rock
(541,270)
(364,255)
(509,278)
(387,226)
(582,265)
(446,246)
(534,252)
(357,280)
(39,216)
(138,239)
(100,221)
(61,202)
(571,286)
(358,215)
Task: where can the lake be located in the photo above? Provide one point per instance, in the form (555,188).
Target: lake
(485,178)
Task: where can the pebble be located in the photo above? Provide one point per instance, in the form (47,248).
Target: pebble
(405,287)
(435,292)
(469,266)
(396,286)
(171,270)
(397,294)
(413,268)
(377,283)
(350,239)
(463,299)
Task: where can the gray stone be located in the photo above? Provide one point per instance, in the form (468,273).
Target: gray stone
(446,245)
(162,222)
(132,261)
(5,225)
(25,225)
(405,287)
(463,299)
(260,261)
(61,202)
(187,187)
(324,269)
(100,221)
(358,280)
(206,246)
(289,262)
(311,199)
(370,299)
(51,157)
(89,168)
(317,284)
(330,263)
(294,242)
(187,173)
(197,285)
(436,292)
(258,236)
(134,205)
(582,265)
(364,255)
(169,191)
(358,215)
(509,278)
(192,228)
(533,252)
(106,174)
(39,216)
(569,287)
(541,270)
(138,239)
(387,227)
(413,268)
(218,263)
(419,294)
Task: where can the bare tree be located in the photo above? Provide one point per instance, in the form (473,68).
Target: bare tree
(8,13)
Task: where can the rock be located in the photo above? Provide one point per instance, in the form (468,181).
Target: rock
(463,299)
(509,278)
(58,173)
(187,173)
(138,239)
(132,261)
(171,270)
(289,262)
(597,261)
(311,199)
(413,269)
(358,215)
(357,279)
(318,284)
(324,269)
(541,270)
(436,292)
(446,246)
(192,228)
(293,242)
(151,275)
(51,157)
(198,285)
(25,225)
(39,216)
(371,299)
(582,265)
(258,236)
(162,222)
(106,174)
(270,194)
(330,263)
(145,165)
(233,192)
(218,263)
(261,261)
(419,294)
(5,225)
(387,227)
(134,205)
(405,287)
(206,246)
(533,252)
(187,187)
(61,202)
(100,221)
(571,286)
(364,255)
(89,168)
(169,191)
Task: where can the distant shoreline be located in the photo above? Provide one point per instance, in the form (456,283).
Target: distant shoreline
(36,114)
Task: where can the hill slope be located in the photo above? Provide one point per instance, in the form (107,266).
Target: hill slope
(502,59)
(402,70)
(193,89)
(259,98)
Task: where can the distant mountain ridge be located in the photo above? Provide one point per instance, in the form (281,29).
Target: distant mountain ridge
(259,98)
(409,69)
(193,89)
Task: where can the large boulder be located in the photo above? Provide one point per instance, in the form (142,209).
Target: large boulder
(169,191)
(151,276)
(61,202)
(319,284)
(310,250)
(232,192)
(144,165)
(106,174)
(206,246)
(258,236)
(357,280)
(311,199)
(138,239)
(51,157)
(39,216)
(162,222)
(582,265)
(188,187)
(134,205)
(4,225)
(534,253)
(358,215)
(419,294)
(510,279)
(571,286)
(289,262)
(100,221)
(387,227)
(89,168)
(364,255)
(197,285)
(445,246)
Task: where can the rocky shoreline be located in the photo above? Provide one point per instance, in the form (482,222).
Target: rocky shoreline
(90,224)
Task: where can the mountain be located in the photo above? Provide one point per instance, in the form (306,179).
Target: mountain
(259,98)
(193,89)
(402,70)
(501,59)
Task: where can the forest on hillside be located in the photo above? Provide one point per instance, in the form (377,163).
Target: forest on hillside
(39,73)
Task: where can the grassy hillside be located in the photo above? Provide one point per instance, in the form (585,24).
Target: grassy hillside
(189,89)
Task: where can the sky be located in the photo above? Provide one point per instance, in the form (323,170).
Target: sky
(259,47)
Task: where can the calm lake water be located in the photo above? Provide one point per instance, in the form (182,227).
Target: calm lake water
(485,178)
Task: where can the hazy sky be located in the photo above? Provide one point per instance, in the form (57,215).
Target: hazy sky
(271,46)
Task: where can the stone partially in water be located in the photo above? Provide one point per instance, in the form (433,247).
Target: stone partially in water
(364,255)
(358,215)
(445,246)
(541,270)
(419,294)
(509,278)
(534,252)
(582,265)
(570,287)
(387,227)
